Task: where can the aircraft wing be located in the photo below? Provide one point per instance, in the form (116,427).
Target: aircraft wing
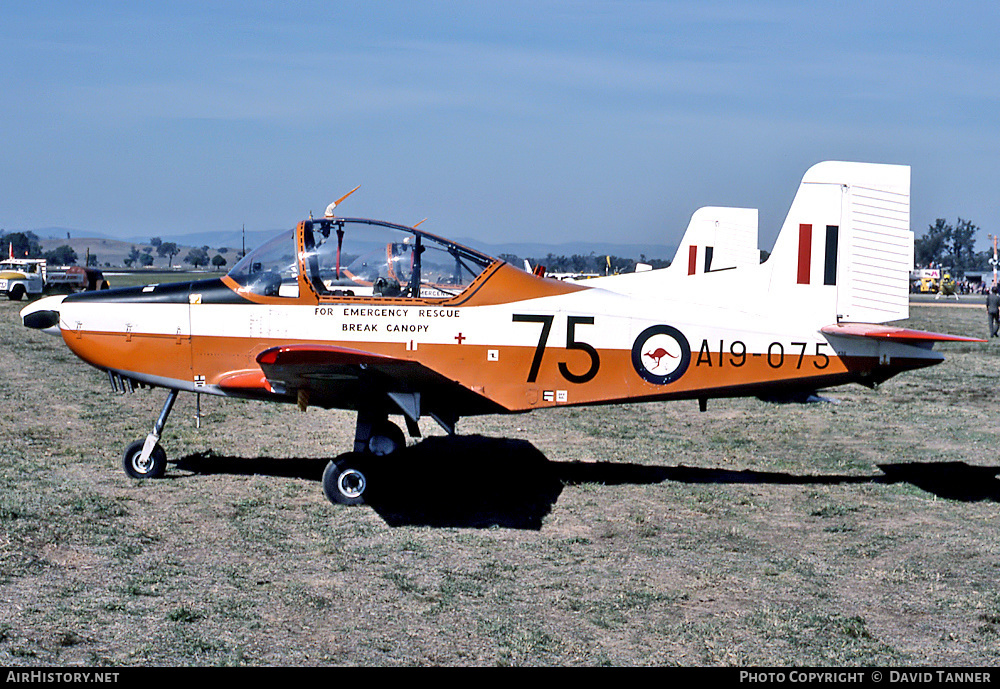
(287,368)
(892,333)
(341,377)
(317,367)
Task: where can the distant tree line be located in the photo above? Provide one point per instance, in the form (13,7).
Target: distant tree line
(197,257)
(28,245)
(951,246)
(138,258)
(22,244)
(590,263)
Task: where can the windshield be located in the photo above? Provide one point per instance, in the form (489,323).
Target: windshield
(270,270)
(20,266)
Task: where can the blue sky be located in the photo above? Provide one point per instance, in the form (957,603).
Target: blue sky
(514,121)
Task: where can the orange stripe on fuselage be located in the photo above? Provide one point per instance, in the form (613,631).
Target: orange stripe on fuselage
(165,356)
(503,380)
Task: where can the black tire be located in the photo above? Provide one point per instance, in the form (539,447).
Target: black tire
(386,439)
(155,467)
(345,481)
(16,293)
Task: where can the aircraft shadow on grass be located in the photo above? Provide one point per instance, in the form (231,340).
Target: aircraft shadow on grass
(477,482)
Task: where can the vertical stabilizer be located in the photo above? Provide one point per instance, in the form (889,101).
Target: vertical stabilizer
(718,239)
(847,238)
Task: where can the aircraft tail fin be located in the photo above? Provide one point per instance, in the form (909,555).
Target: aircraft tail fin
(846,241)
(718,239)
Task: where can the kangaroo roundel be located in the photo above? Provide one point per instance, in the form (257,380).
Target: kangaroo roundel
(661,354)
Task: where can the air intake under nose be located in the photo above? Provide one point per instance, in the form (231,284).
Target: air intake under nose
(43,314)
(40,320)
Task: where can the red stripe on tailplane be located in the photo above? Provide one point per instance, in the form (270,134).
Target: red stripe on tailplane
(892,333)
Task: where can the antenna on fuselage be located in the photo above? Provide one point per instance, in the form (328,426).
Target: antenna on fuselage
(329,209)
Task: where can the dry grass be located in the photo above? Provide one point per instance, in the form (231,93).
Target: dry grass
(858,533)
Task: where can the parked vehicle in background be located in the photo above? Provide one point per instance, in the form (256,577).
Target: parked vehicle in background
(22,276)
(31,277)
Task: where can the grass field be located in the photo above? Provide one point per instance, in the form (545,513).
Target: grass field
(862,532)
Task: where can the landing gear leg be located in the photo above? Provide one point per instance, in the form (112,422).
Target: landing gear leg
(363,430)
(377,435)
(145,458)
(346,478)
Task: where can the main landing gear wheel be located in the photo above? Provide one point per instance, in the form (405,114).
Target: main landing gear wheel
(344,479)
(154,467)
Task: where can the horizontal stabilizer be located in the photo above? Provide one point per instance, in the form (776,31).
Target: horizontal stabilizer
(888,332)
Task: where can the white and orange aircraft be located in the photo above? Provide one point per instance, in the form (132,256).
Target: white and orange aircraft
(386,319)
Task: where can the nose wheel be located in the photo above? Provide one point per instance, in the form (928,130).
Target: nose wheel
(144,458)
(153,466)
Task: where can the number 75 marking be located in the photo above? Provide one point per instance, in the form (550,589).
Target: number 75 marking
(571,343)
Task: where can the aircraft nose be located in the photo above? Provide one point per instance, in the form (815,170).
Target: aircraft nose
(43,314)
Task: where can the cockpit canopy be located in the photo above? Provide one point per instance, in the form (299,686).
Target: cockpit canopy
(356,257)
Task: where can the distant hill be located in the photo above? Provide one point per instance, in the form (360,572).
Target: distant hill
(62,232)
(232,239)
(113,252)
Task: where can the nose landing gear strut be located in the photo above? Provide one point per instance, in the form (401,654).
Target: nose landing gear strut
(144,458)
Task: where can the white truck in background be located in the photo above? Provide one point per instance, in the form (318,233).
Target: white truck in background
(31,277)
(22,276)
